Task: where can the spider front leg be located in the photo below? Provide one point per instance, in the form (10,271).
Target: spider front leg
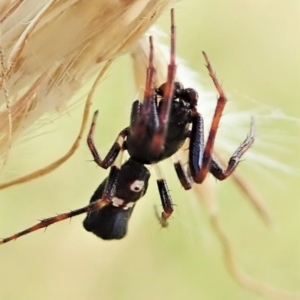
(164,112)
(114,150)
(150,120)
(196,147)
(205,155)
(144,115)
(201,160)
(234,160)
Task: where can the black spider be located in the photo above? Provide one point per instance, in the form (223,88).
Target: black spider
(158,128)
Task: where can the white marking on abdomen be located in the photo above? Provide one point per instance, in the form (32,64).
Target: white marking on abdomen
(128,205)
(117,201)
(137,185)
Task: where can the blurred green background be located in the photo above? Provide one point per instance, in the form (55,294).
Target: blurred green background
(254,46)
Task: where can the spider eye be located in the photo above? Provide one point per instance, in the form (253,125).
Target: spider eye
(137,185)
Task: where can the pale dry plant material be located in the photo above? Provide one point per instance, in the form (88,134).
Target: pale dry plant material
(50,49)
(7,101)
(205,191)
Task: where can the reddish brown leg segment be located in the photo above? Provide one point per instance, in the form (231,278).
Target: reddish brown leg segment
(149,88)
(182,174)
(234,160)
(164,113)
(49,221)
(108,194)
(114,150)
(207,155)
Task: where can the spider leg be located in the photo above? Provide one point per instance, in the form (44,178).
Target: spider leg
(165,196)
(104,200)
(144,116)
(207,154)
(196,147)
(114,150)
(234,160)
(146,119)
(182,174)
(49,221)
(164,113)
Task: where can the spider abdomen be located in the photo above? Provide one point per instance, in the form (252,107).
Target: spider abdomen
(111,222)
